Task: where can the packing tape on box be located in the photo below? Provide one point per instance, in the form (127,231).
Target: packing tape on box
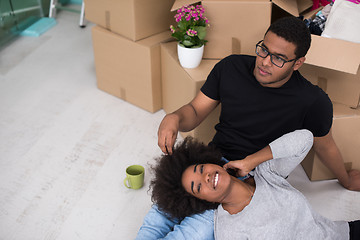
(348,166)
(235,46)
(107,20)
(123,93)
(322,83)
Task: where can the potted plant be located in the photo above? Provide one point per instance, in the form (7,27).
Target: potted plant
(190,33)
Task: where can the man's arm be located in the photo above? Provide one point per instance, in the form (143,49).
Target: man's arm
(326,149)
(184,119)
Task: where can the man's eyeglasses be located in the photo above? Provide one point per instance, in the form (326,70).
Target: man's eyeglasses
(276,60)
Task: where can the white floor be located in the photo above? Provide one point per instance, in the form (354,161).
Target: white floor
(64,146)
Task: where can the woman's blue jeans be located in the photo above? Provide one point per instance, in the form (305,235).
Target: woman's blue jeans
(157,225)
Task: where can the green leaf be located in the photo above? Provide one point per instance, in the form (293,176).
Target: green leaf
(177,35)
(181,44)
(201,32)
(187,43)
(202,23)
(183,25)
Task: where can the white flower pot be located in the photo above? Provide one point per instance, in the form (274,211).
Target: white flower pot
(190,57)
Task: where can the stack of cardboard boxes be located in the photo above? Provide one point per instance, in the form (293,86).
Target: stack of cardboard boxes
(334,65)
(235,27)
(126,44)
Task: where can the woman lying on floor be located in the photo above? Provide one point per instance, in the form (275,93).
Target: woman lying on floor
(193,179)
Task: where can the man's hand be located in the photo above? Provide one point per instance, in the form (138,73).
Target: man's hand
(354,176)
(326,149)
(167,133)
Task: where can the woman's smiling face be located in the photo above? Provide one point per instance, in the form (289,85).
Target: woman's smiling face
(209,182)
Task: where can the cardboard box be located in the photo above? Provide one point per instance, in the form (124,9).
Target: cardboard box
(129,70)
(134,19)
(180,86)
(335,66)
(237,25)
(346,133)
(180,3)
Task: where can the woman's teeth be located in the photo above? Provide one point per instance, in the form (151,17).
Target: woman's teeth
(216,179)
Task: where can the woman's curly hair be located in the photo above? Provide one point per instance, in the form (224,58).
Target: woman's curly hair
(167,190)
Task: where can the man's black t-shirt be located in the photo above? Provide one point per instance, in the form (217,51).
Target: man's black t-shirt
(252,116)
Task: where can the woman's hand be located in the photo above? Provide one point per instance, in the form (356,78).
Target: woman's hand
(242,167)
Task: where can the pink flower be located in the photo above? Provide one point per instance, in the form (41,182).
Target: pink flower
(189,18)
(190,13)
(191,33)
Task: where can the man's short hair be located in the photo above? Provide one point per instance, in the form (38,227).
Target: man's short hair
(293,30)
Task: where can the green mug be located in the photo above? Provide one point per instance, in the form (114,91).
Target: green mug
(134,177)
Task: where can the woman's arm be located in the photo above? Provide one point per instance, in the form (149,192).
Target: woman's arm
(244,166)
(288,150)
